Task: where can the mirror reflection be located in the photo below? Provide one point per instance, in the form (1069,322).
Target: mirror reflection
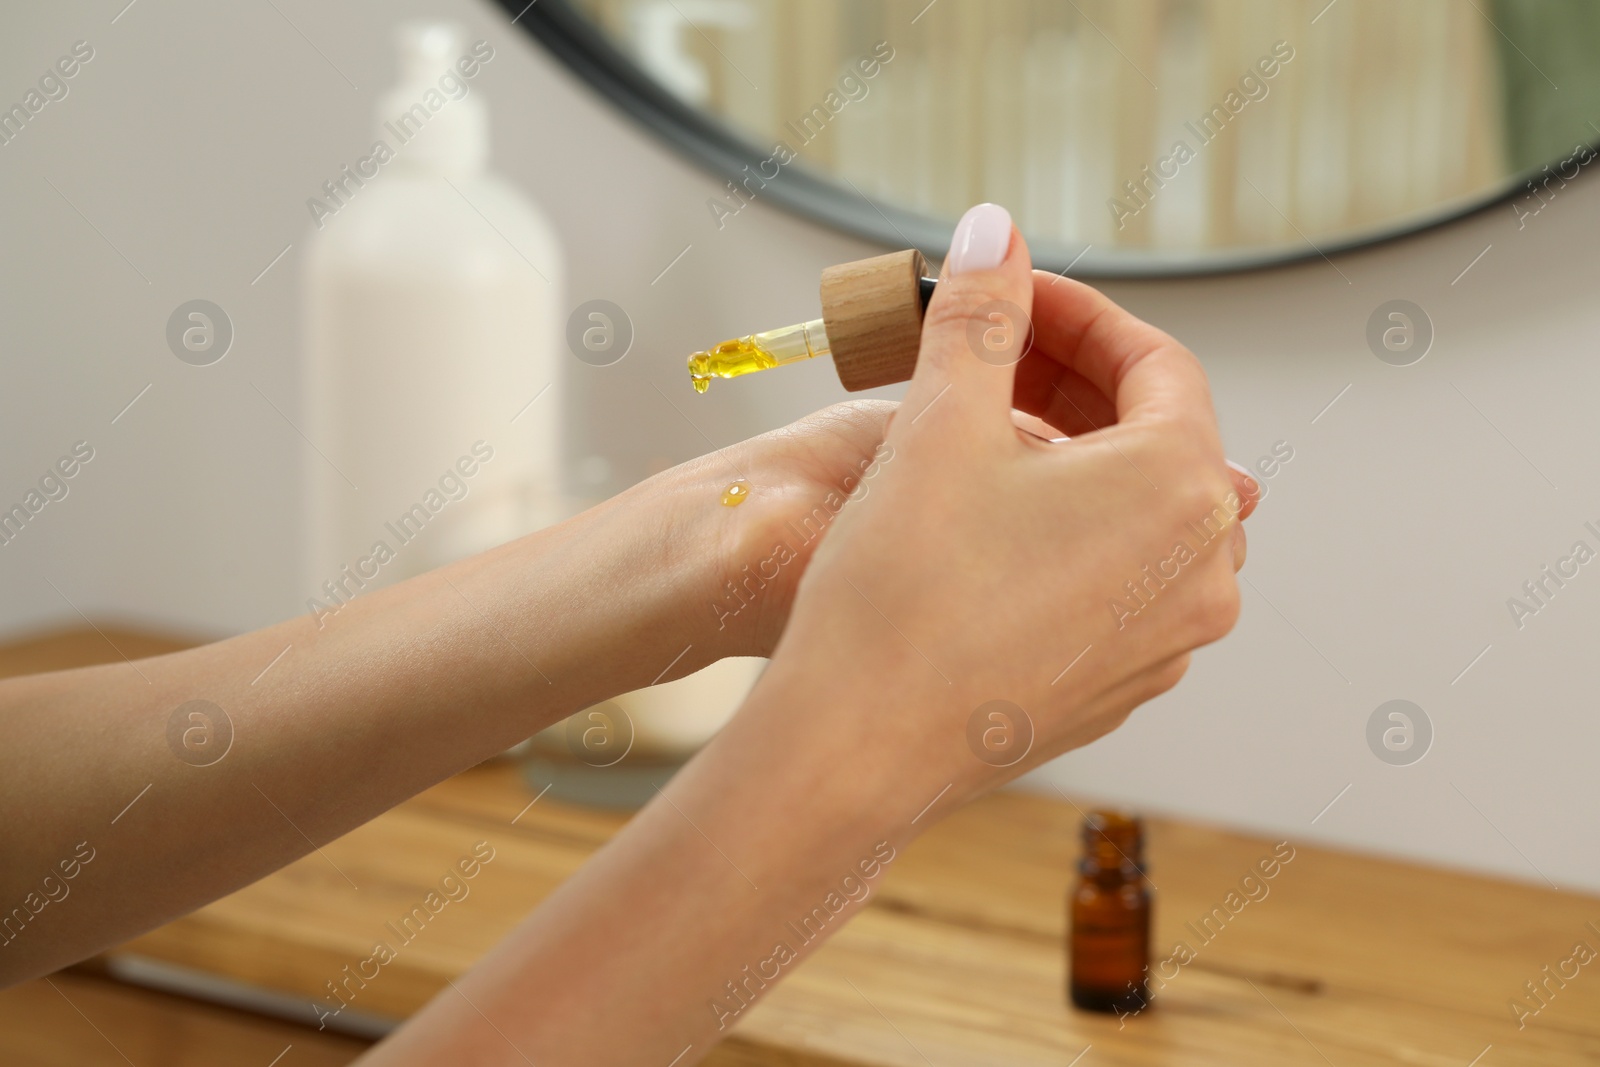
(1165,132)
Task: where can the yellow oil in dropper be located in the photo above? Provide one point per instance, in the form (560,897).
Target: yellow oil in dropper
(758,351)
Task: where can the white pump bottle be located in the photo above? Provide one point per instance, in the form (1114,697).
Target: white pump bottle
(433,297)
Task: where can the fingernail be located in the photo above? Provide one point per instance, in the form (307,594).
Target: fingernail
(1246,472)
(981,239)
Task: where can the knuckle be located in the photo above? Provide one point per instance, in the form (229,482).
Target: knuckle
(1215,609)
(867,408)
(864,413)
(1166,677)
(1208,490)
(962,297)
(1186,448)
(1205,504)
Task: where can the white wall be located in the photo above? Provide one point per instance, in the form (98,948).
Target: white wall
(1380,564)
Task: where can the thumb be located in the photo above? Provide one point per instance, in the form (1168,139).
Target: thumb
(977,327)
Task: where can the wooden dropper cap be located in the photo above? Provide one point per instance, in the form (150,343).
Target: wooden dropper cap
(872,310)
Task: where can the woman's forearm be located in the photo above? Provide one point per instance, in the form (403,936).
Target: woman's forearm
(750,858)
(311,727)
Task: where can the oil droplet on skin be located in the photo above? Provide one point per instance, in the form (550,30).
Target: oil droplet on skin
(735,494)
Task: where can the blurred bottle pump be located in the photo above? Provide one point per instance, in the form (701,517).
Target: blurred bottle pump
(664,34)
(1109,917)
(435,307)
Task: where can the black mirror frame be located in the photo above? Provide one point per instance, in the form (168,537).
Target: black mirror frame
(575,40)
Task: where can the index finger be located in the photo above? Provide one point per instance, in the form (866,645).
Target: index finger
(1145,373)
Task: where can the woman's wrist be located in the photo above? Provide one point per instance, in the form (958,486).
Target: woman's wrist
(748,518)
(720,562)
(748,860)
(849,743)
(624,595)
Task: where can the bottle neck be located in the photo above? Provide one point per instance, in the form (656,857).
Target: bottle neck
(1113,847)
(452,141)
(1105,863)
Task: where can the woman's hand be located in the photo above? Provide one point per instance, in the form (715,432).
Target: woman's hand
(797,479)
(1069,581)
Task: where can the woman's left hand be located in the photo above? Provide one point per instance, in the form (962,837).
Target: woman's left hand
(795,481)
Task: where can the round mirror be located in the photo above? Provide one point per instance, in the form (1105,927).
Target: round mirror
(1128,137)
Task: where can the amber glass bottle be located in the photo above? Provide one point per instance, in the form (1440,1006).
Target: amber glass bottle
(1109,917)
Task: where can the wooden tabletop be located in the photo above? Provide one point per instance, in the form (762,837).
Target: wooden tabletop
(82,1020)
(958,959)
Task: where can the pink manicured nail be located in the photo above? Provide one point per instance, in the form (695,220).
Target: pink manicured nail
(1248,473)
(981,239)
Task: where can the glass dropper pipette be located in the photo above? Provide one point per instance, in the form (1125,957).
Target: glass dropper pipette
(772,348)
(759,351)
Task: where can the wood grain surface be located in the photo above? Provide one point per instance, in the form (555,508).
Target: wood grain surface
(1338,959)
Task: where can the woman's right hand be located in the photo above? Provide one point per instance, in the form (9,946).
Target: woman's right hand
(1070,580)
